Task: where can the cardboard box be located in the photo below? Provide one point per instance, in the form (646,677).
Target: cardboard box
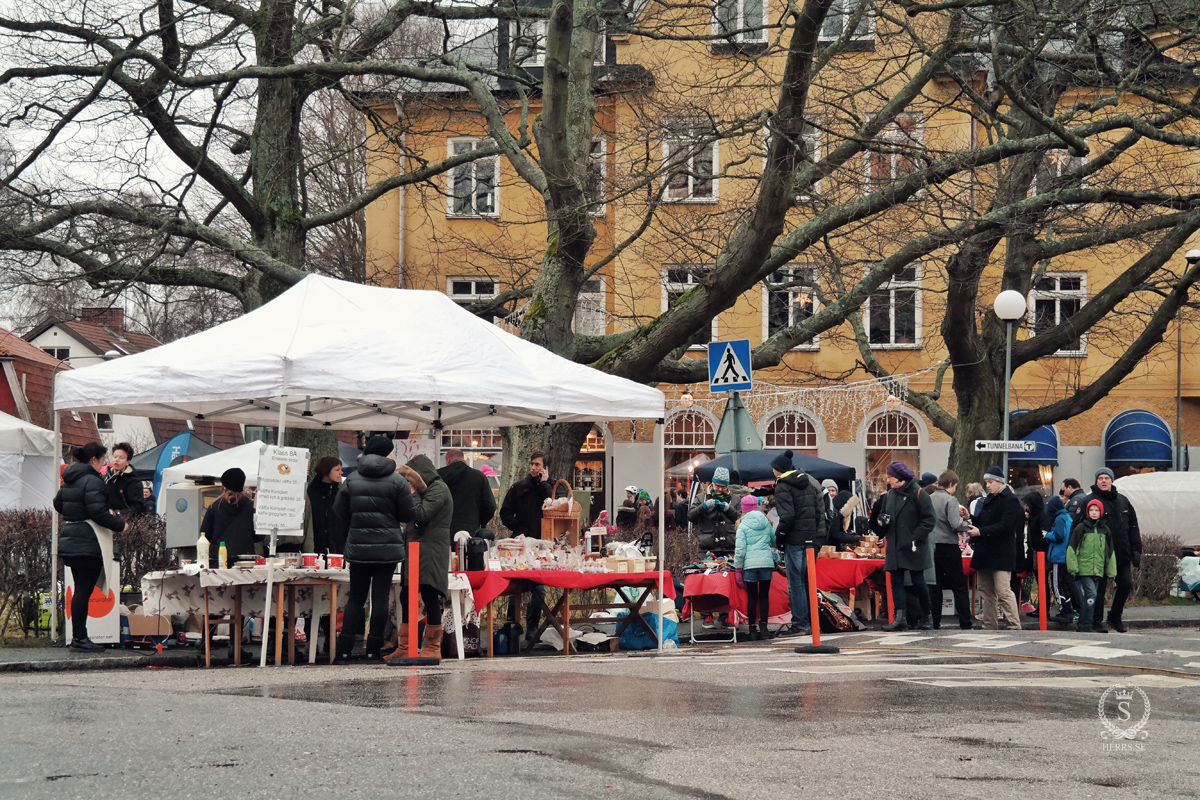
(149,626)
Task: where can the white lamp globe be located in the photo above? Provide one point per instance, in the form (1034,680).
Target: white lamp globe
(1010,305)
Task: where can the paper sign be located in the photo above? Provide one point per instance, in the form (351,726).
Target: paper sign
(282,474)
(408,449)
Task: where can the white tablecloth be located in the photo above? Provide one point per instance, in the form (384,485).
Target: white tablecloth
(176,593)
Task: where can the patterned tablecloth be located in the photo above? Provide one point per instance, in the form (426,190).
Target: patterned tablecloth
(175,592)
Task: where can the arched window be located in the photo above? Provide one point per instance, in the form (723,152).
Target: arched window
(793,431)
(690,430)
(891,437)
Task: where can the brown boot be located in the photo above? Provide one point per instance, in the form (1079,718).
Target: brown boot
(433,642)
(401,650)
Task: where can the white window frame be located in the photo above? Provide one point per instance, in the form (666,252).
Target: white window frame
(669,286)
(787,412)
(598,156)
(746,37)
(599,306)
(474,296)
(1056,296)
(684,137)
(451,177)
(891,287)
(844,8)
(536,33)
(811,138)
(1058,161)
(792,270)
(894,135)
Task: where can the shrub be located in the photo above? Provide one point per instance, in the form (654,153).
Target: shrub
(1160,567)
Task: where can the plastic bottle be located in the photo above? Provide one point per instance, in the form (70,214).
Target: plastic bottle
(202,551)
(222,557)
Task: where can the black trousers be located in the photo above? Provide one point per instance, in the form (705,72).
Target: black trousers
(375,580)
(85,570)
(1124,587)
(432,599)
(900,596)
(533,611)
(947,565)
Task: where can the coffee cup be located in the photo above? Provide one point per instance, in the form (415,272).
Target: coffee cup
(335,561)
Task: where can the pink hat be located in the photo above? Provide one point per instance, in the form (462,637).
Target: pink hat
(749,503)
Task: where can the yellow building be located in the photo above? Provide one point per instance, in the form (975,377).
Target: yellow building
(480,231)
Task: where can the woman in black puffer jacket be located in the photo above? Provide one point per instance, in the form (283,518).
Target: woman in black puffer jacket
(370,507)
(83,502)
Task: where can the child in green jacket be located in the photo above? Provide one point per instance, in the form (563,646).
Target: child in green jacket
(1090,557)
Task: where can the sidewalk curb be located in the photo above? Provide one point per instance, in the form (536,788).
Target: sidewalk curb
(83,664)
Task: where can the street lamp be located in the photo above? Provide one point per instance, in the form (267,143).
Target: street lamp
(1191,257)
(893,402)
(1010,307)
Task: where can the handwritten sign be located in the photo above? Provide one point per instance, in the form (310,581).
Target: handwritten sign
(408,449)
(282,474)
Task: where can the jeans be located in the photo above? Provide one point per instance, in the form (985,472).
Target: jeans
(1088,586)
(920,589)
(1124,587)
(373,579)
(796,563)
(85,570)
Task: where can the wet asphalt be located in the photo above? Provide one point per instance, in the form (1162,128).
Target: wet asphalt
(981,714)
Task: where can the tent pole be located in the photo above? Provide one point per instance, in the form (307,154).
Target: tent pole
(282,421)
(54,516)
(660,434)
(266,631)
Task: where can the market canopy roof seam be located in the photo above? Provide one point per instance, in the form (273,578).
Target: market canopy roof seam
(412,360)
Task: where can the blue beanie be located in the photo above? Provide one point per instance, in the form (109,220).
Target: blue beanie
(783,462)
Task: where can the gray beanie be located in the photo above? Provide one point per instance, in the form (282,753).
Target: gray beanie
(1104,471)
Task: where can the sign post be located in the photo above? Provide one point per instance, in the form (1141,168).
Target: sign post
(279,510)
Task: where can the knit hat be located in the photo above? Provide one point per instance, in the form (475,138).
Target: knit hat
(749,503)
(379,446)
(927,479)
(721,476)
(829,483)
(1104,471)
(1094,503)
(783,462)
(900,471)
(233,479)
(643,495)
(994,474)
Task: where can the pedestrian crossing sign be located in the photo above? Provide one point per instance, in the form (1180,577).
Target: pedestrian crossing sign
(729,366)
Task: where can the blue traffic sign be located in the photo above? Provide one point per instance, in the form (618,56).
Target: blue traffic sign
(729,366)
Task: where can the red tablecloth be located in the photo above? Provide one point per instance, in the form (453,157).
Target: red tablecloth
(487,585)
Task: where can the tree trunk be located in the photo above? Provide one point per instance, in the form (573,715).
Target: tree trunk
(979,417)
(560,442)
(318,441)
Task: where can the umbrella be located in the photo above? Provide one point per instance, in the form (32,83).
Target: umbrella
(756,466)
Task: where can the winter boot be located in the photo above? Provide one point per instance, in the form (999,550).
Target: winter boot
(345,645)
(899,625)
(763,633)
(401,650)
(925,623)
(433,642)
(1116,624)
(375,649)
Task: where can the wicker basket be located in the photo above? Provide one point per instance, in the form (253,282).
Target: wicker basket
(568,510)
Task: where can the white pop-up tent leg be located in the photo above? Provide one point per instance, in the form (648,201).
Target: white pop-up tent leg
(660,434)
(54,518)
(262,657)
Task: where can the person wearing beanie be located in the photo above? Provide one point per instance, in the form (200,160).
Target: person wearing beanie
(904,517)
(803,524)
(754,565)
(1121,520)
(1091,558)
(371,506)
(715,516)
(230,519)
(997,523)
(927,479)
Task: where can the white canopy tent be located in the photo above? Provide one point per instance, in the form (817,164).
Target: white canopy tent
(27,465)
(332,354)
(245,457)
(1165,502)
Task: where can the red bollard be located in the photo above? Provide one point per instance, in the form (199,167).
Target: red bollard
(887,580)
(414,576)
(814,613)
(1041,559)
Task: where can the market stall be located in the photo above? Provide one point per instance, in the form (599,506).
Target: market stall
(411,360)
(28,465)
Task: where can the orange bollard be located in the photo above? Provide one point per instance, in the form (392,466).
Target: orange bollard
(1041,559)
(814,614)
(887,579)
(414,576)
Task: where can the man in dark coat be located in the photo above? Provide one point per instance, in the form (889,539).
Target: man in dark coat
(1127,543)
(715,516)
(800,503)
(474,503)
(521,513)
(998,522)
(905,519)
(371,506)
(126,495)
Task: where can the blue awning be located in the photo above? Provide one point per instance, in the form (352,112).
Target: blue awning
(1138,438)
(1047,445)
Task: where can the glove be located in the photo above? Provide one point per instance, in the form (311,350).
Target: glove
(1137,558)
(710,504)
(724,506)
(737,577)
